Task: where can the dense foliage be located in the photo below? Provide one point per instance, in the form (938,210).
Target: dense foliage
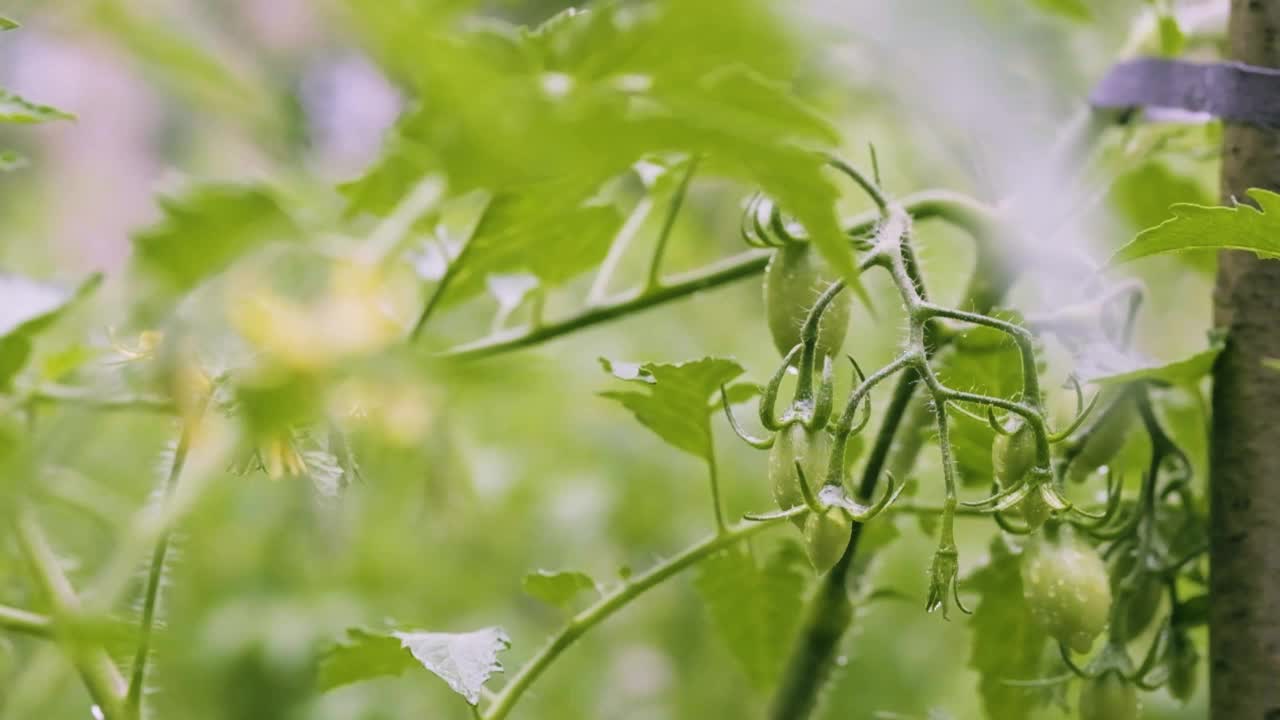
(355,447)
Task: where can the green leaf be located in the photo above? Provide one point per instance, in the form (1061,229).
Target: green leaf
(10,161)
(207,228)
(755,609)
(1071,9)
(182,61)
(465,661)
(551,230)
(16,109)
(738,393)
(362,655)
(1274,364)
(675,404)
(7,24)
(1196,227)
(1172,39)
(27,307)
(1179,372)
(558,588)
(580,100)
(1007,644)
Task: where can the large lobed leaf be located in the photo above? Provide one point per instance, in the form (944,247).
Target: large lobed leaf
(1007,644)
(755,608)
(576,102)
(675,404)
(207,228)
(465,661)
(1196,227)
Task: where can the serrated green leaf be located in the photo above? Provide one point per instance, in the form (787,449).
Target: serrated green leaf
(1007,644)
(1196,227)
(1179,372)
(550,231)
(16,109)
(26,308)
(10,161)
(205,229)
(580,100)
(362,655)
(676,404)
(465,661)
(7,24)
(1071,9)
(755,609)
(557,588)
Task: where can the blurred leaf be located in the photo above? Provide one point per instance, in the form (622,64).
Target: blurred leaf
(1192,612)
(1007,644)
(755,609)
(557,588)
(27,307)
(1274,364)
(1196,227)
(1172,39)
(544,229)
(207,228)
(463,660)
(1145,193)
(738,393)
(1179,372)
(676,404)
(10,161)
(581,99)
(7,24)
(361,656)
(1070,9)
(181,61)
(16,109)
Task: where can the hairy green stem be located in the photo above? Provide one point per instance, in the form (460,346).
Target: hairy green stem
(151,596)
(617,599)
(100,676)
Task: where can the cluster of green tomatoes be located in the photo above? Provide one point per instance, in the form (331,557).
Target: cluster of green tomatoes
(1082,572)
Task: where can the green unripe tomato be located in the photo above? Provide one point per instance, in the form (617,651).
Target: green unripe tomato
(1143,602)
(1066,588)
(1108,697)
(1104,439)
(1012,457)
(794,279)
(812,449)
(825,538)
(1182,662)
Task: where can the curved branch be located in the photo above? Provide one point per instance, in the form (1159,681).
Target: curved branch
(957,209)
(618,599)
